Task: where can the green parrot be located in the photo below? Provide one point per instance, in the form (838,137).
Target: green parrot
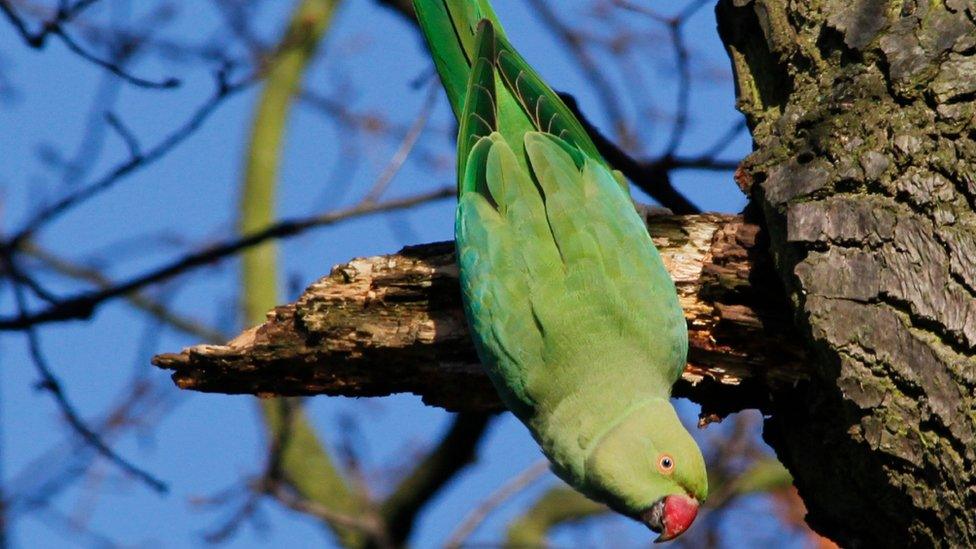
(570,307)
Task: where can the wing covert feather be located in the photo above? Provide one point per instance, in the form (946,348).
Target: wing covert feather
(557,269)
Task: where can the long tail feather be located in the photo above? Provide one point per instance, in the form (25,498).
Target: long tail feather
(479,118)
(450,27)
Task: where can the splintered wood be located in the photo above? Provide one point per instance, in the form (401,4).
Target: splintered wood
(392,324)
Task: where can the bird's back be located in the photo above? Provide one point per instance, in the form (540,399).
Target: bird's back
(566,295)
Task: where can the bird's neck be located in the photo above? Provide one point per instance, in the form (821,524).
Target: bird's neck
(570,431)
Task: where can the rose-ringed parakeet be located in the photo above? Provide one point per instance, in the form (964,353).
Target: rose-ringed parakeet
(571,309)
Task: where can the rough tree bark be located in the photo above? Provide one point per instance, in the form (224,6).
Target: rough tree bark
(388,324)
(864,175)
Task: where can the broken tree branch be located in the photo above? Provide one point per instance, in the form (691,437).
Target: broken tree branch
(391,324)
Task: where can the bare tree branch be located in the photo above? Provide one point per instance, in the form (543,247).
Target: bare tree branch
(389,324)
(84,304)
(306,506)
(138,300)
(403,7)
(56,26)
(403,151)
(49,382)
(456,450)
(559,505)
(573,40)
(222,90)
(477,516)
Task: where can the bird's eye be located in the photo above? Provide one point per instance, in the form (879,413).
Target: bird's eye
(665,464)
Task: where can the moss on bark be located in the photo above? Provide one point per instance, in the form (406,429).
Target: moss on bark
(863,176)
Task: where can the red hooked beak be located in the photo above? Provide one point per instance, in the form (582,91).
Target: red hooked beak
(670,516)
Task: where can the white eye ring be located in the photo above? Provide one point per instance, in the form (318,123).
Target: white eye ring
(665,464)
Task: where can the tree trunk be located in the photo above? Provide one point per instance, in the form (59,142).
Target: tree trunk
(864,175)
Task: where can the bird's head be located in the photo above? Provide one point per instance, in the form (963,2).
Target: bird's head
(649,468)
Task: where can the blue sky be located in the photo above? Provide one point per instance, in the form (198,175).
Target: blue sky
(204,444)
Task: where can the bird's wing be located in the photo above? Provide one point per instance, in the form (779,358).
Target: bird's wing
(558,272)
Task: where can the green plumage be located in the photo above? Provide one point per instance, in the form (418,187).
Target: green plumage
(572,311)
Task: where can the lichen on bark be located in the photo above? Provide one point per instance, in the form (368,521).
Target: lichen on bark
(863,175)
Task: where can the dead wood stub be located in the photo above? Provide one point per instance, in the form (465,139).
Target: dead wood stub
(392,324)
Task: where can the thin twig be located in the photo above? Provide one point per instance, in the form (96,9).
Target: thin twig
(674,25)
(84,304)
(50,383)
(111,66)
(406,146)
(36,484)
(248,510)
(571,39)
(508,490)
(223,89)
(155,308)
(362,523)
(652,178)
(63,15)
(685,12)
(15,273)
(684,87)
(455,451)
(725,139)
(131,141)
(56,27)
